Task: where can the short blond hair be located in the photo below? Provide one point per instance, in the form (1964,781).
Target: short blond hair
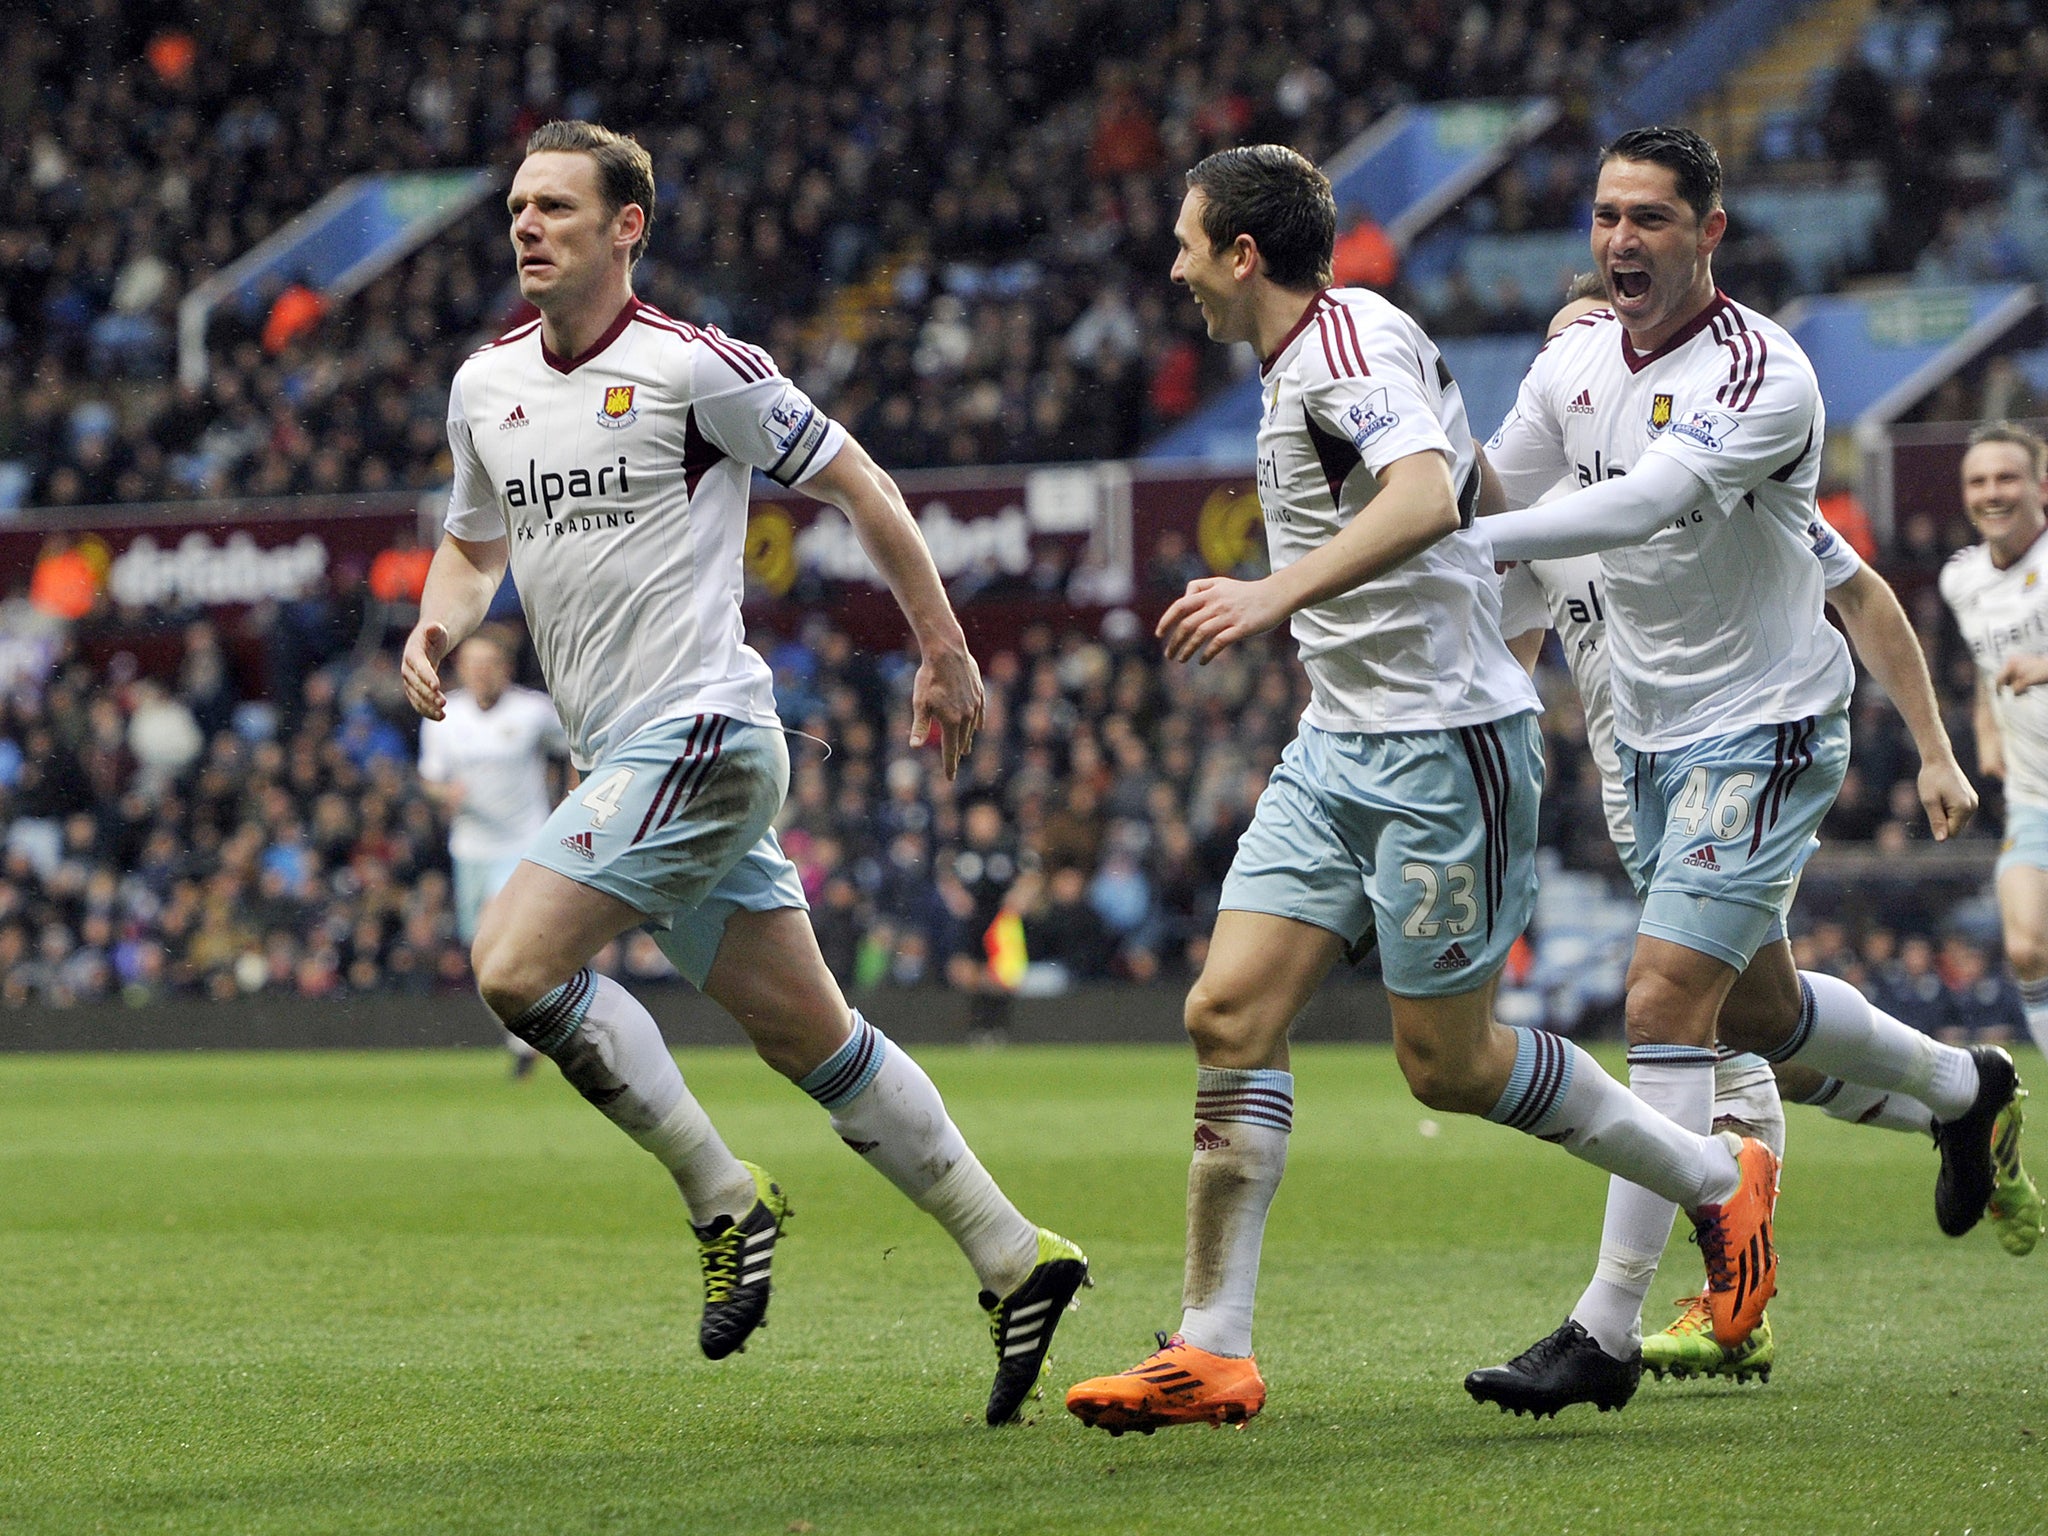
(2010,432)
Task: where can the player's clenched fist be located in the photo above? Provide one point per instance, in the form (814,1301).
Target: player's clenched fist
(2023,672)
(420,668)
(1214,614)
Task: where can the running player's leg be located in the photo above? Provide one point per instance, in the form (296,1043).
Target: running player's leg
(1458,1058)
(2023,914)
(1260,972)
(1453,886)
(651,832)
(751,949)
(1711,897)
(531,960)
(1850,1103)
(1294,899)
(770,976)
(1782,1013)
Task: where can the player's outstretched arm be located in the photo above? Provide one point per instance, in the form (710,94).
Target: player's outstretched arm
(1885,642)
(1611,514)
(947,691)
(1416,506)
(460,584)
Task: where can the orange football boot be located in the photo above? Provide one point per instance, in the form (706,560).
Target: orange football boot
(1178,1385)
(1735,1242)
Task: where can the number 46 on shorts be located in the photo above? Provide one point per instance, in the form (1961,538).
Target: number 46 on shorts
(1727,813)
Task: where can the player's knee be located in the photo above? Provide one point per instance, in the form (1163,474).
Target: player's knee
(1440,1079)
(798,1041)
(1759,1018)
(1228,1030)
(507,981)
(1661,1011)
(2027,954)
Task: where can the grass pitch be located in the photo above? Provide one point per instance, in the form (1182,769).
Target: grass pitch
(396,1292)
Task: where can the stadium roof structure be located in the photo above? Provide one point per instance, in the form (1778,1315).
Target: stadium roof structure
(340,245)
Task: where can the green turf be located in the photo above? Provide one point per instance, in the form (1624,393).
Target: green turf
(396,1292)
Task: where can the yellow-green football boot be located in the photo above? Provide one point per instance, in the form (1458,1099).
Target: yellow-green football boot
(1687,1348)
(2015,1208)
(1021,1324)
(735,1256)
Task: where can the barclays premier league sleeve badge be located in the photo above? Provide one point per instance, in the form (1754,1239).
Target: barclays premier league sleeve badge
(1370,419)
(1706,429)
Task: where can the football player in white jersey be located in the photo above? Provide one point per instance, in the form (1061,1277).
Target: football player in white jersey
(606,452)
(485,763)
(1695,426)
(1998,591)
(1569,596)
(1406,804)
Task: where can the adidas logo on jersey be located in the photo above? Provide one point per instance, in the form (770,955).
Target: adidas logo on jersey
(1583,406)
(1452,959)
(1702,858)
(518,418)
(1207,1140)
(580,843)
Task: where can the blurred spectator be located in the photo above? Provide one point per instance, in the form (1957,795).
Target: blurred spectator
(163,738)
(1365,257)
(1984,1005)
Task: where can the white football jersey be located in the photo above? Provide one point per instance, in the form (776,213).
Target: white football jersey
(1718,619)
(1565,595)
(621,479)
(499,758)
(1570,597)
(2005,613)
(1354,387)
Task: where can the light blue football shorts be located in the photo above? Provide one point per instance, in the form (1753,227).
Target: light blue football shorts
(1724,826)
(2026,837)
(678,822)
(1429,836)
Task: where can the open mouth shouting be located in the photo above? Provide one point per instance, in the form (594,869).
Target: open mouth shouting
(1628,283)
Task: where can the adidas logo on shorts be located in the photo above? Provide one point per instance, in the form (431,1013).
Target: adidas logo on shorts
(1452,959)
(580,843)
(1702,858)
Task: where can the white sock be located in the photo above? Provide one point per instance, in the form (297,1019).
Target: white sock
(1746,1093)
(1677,1080)
(611,1051)
(1841,1034)
(1242,1120)
(886,1109)
(1858,1105)
(2034,999)
(1559,1093)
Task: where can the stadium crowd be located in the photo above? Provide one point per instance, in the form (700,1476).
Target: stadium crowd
(950,222)
(183,835)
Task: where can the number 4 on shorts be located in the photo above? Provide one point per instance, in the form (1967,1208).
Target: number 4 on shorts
(604,796)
